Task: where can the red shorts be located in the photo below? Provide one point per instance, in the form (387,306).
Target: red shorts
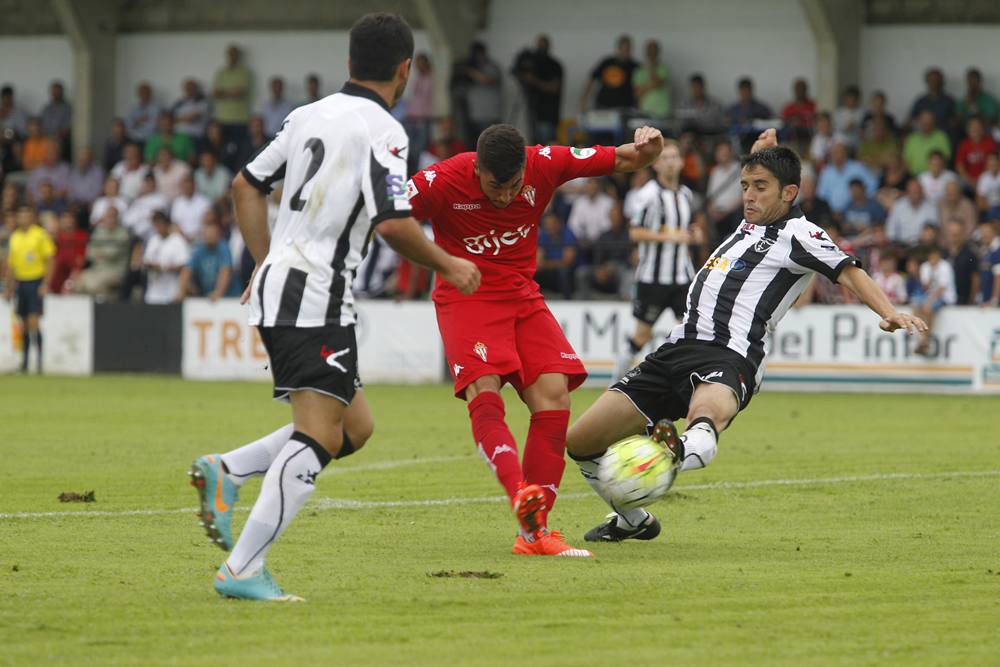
(517,340)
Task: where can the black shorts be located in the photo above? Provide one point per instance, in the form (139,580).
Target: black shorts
(651,300)
(321,359)
(661,386)
(29,301)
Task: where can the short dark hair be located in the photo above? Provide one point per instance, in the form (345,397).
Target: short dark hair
(935,153)
(852,90)
(697,78)
(856,181)
(379,42)
(500,151)
(745,82)
(780,161)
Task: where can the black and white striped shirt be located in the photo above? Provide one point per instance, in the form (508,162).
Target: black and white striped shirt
(752,279)
(343,162)
(662,209)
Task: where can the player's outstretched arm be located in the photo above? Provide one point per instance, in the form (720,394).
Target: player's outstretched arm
(859,282)
(645,147)
(405,236)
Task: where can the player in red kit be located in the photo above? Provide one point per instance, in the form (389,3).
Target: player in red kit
(486,206)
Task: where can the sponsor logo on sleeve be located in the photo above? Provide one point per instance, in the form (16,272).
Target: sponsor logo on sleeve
(411,189)
(583,153)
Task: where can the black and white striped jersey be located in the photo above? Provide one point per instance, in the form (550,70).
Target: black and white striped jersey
(343,162)
(752,279)
(661,209)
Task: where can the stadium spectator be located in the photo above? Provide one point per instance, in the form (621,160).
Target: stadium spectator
(180,145)
(210,178)
(227,152)
(231,95)
(819,147)
(13,121)
(110,198)
(255,141)
(909,214)
(862,211)
(926,139)
(934,180)
(988,187)
(989,264)
(29,270)
(138,219)
(937,281)
(977,102)
(86,179)
(53,171)
(879,145)
(169,173)
(114,145)
(964,261)
(312,89)
(481,91)
(613,77)
(651,83)
(970,160)
(541,79)
(189,208)
(165,256)
(724,196)
(275,110)
(877,110)
(799,115)
(71,252)
(849,116)
(610,270)
(889,280)
(699,111)
(557,252)
(892,185)
(209,272)
(57,117)
(816,210)
(590,216)
(192,111)
(130,172)
(35,146)
(835,179)
(744,112)
(447,142)
(955,206)
(935,100)
(419,110)
(140,123)
(49,203)
(107,257)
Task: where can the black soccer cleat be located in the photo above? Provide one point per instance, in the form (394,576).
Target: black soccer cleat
(610,531)
(665,433)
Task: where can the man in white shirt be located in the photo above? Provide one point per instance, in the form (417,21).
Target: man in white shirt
(211,178)
(110,199)
(938,281)
(909,214)
(130,172)
(189,208)
(169,173)
(139,216)
(591,214)
(936,178)
(724,194)
(988,185)
(166,254)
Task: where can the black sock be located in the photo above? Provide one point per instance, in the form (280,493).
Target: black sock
(704,420)
(593,457)
(25,348)
(346,449)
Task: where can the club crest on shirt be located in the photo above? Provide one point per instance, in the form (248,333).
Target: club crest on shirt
(528,192)
(480,350)
(763,245)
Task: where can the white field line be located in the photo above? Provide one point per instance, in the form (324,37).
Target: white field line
(347,504)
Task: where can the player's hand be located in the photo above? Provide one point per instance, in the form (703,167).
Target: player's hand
(245,297)
(648,140)
(767,139)
(43,289)
(463,274)
(896,321)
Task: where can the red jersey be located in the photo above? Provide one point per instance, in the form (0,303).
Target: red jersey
(503,242)
(972,155)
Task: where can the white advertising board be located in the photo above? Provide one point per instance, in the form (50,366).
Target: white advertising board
(68,336)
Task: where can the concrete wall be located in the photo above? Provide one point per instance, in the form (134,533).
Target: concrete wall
(30,63)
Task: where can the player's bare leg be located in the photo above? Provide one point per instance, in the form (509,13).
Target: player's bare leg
(626,360)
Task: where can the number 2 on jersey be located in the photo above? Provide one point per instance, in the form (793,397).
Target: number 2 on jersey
(318,151)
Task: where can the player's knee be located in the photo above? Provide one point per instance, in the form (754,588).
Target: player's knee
(359,435)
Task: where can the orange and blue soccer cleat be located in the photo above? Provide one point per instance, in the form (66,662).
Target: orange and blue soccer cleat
(548,544)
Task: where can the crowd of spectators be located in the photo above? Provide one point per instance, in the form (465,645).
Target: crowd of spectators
(149,216)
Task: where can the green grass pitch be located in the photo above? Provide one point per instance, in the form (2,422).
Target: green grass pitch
(831,530)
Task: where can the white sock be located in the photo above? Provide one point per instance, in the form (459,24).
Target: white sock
(626,518)
(255,458)
(287,485)
(700,446)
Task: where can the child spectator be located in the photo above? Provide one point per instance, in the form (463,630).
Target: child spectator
(937,278)
(889,280)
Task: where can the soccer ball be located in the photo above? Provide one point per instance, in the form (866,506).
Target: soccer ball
(636,471)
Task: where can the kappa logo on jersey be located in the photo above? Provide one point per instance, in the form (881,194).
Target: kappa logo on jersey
(819,236)
(546,152)
(480,350)
(583,153)
(466,207)
(528,192)
(429,176)
(411,189)
(456,369)
(331,356)
(309,477)
(477,245)
(763,245)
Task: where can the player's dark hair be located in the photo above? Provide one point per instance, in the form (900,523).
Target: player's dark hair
(379,42)
(500,151)
(780,161)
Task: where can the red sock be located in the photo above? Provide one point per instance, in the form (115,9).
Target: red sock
(544,452)
(495,441)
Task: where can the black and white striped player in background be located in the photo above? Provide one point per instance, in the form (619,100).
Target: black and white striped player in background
(664,226)
(711,365)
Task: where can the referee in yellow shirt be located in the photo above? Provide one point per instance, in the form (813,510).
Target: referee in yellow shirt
(29,267)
